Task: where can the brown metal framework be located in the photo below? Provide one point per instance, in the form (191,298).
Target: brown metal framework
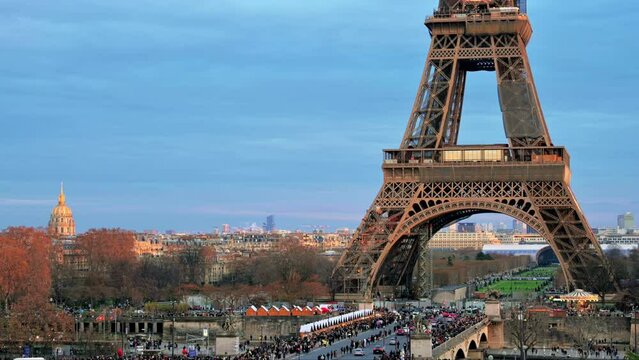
(431,182)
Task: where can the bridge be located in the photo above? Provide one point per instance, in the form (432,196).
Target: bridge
(469,344)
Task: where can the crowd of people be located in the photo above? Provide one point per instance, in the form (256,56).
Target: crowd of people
(600,350)
(148,344)
(447,327)
(489,279)
(442,323)
(281,347)
(594,349)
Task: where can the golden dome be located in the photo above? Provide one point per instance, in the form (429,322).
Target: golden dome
(61,210)
(61,222)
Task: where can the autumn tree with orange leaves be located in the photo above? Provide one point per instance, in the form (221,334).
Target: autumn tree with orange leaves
(109,267)
(34,319)
(25,283)
(106,248)
(25,271)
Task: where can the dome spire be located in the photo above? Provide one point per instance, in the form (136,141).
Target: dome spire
(61,197)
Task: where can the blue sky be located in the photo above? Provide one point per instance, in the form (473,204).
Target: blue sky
(186,114)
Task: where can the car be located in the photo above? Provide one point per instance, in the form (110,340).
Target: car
(378,350)
(393,341)
(400,332)
(358,352)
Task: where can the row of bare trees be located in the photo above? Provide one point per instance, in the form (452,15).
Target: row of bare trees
(291,272)
(528,331)
(459,268)
(625,270)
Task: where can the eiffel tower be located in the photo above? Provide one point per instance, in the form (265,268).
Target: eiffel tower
(431,182)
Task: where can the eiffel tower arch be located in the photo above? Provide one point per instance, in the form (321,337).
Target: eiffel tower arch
(431,182)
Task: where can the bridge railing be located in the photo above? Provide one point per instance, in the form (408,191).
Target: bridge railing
(454,342)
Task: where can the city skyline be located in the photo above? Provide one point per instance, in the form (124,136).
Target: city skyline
(157,133)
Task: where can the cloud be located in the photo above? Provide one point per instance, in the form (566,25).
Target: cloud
(25,202)
(302,214)
(235,103)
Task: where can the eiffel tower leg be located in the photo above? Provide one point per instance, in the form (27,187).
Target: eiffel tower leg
(572,238)
(522,114)
(351,276)
(437,108)
(424,284)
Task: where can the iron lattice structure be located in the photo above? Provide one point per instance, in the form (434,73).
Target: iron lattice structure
(431,182)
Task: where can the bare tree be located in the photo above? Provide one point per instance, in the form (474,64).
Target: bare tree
(525,330)
(582,333)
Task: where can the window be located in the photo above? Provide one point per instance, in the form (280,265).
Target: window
(472,155)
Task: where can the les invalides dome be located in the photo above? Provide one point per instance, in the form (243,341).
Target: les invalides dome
(61,223)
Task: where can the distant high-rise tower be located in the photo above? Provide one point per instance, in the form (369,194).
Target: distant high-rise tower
(519,227)
(61,223)
(226,229)
(269,225)
(466,227)
(626,221)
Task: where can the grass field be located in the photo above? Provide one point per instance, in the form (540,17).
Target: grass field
(507,287)
(544,271)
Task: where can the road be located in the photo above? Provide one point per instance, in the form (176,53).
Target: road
(368,350)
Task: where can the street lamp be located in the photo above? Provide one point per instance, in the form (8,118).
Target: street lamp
(206,333)
(173,332)
(634,317)
(522,324)
(120,327)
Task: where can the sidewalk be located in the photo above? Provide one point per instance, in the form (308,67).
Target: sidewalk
(549,354)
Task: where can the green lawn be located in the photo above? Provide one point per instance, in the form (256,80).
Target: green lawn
(545,271)
(507,287)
